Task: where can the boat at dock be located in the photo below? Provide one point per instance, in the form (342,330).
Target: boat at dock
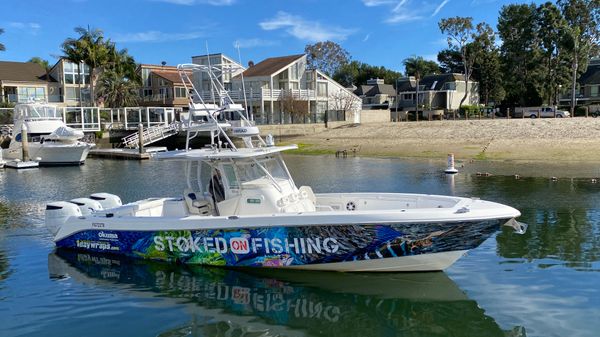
(49,139)
(242,208)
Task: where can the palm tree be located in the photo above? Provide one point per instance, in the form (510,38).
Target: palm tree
(2,48)
(43,63)
(91,49)
(73,52)
(418,67)
(116,90)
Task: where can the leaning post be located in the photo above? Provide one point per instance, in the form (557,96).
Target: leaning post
(140,138)
(24,143)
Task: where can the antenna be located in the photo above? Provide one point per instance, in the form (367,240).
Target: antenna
(237,45)
(212,94)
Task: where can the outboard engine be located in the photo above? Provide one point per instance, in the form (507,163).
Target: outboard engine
(107,200)
(87,205)
(57,214)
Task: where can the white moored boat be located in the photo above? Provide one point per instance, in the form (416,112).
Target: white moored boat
(241,207)
(50,140)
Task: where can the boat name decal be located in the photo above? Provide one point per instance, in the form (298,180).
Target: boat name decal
(242,245)
(98,245)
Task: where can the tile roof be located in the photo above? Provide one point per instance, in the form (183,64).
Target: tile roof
(169,75)
(271,65)
(22,72)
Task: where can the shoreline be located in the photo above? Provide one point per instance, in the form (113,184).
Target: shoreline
(566,148)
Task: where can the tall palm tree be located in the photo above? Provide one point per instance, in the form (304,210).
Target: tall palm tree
(117,91)
(91,49)
(2,48)
(73,51)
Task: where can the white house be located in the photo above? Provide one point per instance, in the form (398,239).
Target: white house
(283,90)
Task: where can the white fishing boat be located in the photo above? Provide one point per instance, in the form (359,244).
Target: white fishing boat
(49,138)
(242,208)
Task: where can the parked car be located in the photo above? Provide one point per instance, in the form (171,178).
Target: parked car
(543,112)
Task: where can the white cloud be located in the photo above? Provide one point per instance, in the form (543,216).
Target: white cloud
(373,3)
(252,43)
(403,11)
(157,36)
(31,27)
(366,38)
(439,7)
(302,29)
(194,2)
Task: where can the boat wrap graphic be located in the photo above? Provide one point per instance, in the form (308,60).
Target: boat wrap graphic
(286,246)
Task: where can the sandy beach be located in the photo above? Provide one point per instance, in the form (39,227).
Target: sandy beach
(572,145)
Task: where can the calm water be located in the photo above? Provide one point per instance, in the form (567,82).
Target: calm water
(543,283)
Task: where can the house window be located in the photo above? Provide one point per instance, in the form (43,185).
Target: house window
(71,94)
(25,93)
(146,78)
(147,92)
(408,97)
(180,92)
(74,77)
(164,92)
(321,89)
(594,90)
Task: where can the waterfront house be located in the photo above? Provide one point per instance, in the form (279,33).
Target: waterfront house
(73,83)
(161,86)
(22,81)
(588,92)
(281,90)
(444,91)
(376,94)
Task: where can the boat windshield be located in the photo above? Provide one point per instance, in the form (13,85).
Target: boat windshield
(252,170)
(37,111)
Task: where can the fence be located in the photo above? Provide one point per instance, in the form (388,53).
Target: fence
(91,119)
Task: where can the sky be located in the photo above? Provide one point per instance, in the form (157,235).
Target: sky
(377,32)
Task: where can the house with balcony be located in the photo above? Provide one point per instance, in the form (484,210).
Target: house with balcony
(444,91)
(376,94)
(72,82)
(161,86)
(588,91)
(23,81)
(282,90)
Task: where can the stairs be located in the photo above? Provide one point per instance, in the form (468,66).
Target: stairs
(150,135)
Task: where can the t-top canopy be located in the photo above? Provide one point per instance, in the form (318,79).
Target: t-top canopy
(210,154)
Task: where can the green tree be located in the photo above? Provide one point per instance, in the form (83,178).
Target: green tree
(418,67)
(519,53)
(2,48)
(43,63)
(326,56)
(486,68)
(118,83)
(450,61)
(460,33)
(116,90)
(583,20)
(357,73)
(552,69)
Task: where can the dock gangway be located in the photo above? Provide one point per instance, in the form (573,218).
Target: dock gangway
(150,135)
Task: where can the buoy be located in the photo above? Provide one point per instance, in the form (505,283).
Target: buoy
(517,176)
(450,169)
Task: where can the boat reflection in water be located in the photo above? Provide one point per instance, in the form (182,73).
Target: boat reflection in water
(255,302)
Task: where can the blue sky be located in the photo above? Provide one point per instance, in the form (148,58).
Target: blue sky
(378,32)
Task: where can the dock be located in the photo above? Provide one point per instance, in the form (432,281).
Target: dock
(127,154)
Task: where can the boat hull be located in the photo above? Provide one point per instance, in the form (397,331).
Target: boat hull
(354,247)
(52,154)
